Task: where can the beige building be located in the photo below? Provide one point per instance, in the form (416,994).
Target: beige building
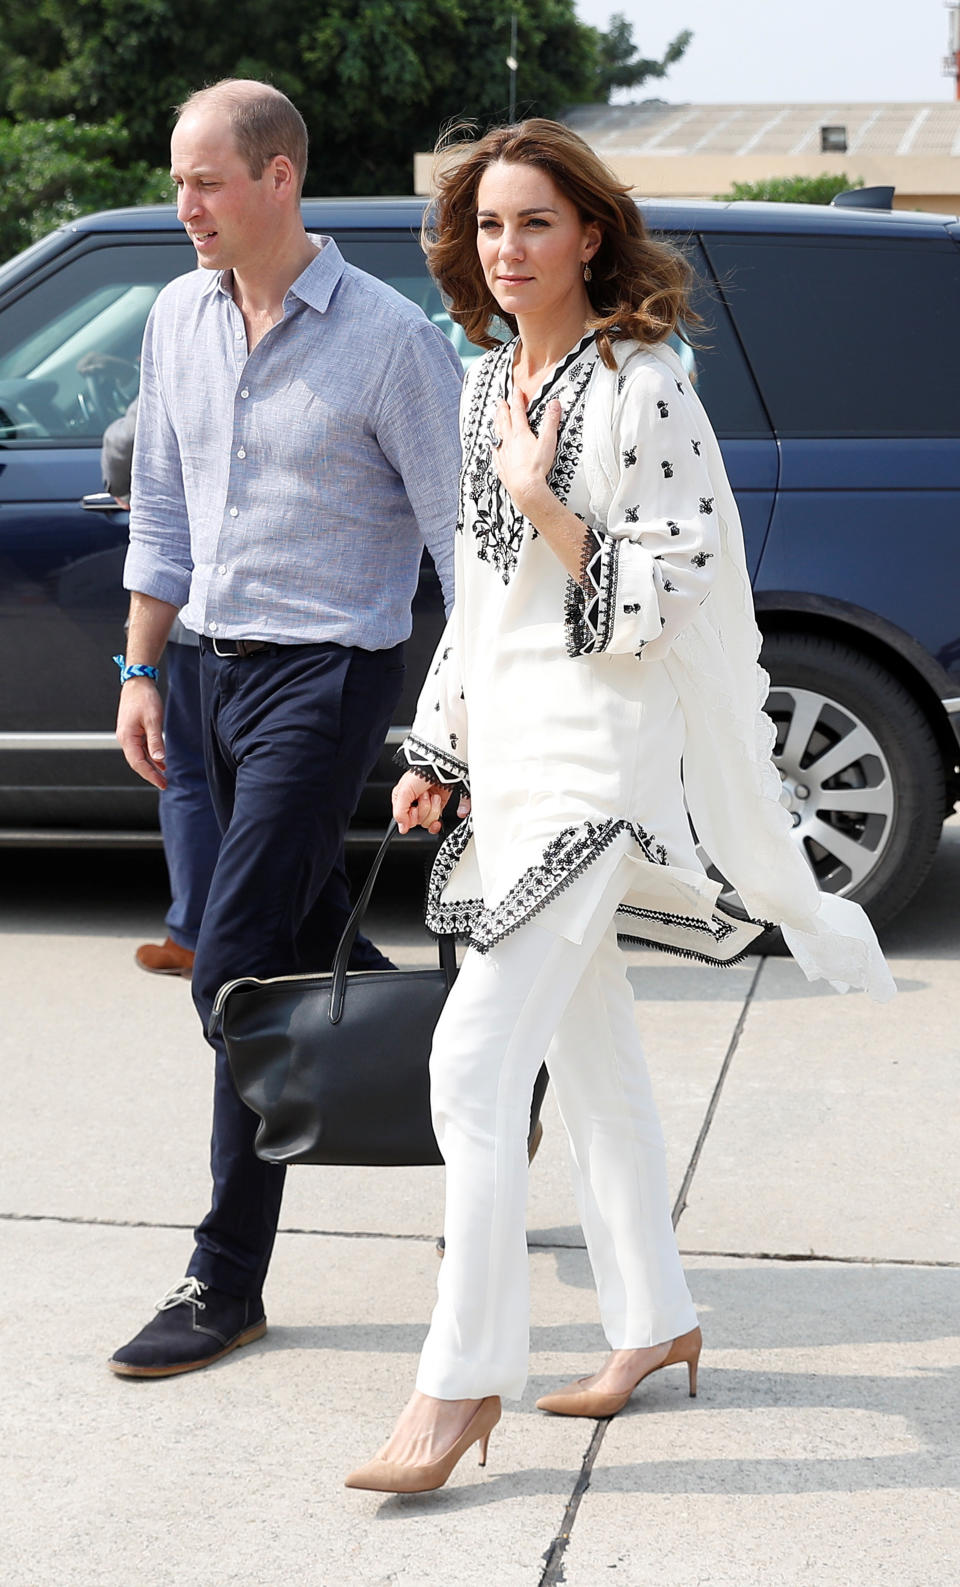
(698,151)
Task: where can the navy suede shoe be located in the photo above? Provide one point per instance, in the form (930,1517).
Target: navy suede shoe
(195,1325)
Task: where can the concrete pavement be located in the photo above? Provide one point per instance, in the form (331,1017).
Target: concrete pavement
(812,1151)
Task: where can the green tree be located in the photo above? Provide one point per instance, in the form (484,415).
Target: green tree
(793,189)
(620,66)
(51,171)
(375,79)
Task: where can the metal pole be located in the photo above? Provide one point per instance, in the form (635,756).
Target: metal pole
(512,66)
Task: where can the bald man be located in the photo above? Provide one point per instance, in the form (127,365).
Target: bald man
(296,448)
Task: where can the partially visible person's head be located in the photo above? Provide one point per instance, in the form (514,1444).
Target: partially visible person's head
(238,157)
(638,286)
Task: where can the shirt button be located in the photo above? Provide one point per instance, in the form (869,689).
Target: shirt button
(245,392)
(223,567)
(242,452)
(234,512)
(212,627)
(238,336)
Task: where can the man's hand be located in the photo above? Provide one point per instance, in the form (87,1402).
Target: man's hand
(140,730)
(417,802)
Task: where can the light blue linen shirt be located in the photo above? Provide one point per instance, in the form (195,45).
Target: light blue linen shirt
(286,494)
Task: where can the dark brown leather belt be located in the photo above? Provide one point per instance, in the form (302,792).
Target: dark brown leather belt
(235,647)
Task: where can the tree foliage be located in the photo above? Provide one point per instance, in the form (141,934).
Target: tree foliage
(52,170)
(620,66)
(793,189)
(375,79)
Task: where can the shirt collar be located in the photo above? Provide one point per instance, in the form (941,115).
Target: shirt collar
(313,286)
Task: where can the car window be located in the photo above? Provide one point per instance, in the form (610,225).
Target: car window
(70,347)
(399,261)
(848,337)
(715,362)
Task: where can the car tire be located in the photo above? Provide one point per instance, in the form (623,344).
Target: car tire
(871,825)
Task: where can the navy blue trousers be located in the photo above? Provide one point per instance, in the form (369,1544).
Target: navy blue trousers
(188,821)
(293,733)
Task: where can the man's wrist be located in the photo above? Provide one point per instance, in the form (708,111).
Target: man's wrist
(132,670)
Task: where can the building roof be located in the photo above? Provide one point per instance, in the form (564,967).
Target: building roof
(654,128)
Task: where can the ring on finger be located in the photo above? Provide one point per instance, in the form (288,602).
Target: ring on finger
(496,441)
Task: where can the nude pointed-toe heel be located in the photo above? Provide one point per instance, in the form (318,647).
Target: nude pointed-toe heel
(389,1476)
(574,1400)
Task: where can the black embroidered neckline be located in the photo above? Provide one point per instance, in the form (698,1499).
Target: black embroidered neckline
(542,396)
(498,529)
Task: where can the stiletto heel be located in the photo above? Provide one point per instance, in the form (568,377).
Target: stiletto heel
(389,1476)
(575,1400)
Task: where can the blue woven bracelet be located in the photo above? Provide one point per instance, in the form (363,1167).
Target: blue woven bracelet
(137,669)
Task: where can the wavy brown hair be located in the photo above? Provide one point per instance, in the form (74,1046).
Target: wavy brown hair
(640,286)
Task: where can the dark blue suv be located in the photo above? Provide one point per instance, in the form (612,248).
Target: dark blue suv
(831,371)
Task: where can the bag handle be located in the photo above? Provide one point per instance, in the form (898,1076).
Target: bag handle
(446,945)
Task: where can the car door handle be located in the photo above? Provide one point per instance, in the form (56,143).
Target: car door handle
(102,501)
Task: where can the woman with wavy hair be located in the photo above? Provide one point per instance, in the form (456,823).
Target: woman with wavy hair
(595,691)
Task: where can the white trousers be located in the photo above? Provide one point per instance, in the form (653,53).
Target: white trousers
(536,997)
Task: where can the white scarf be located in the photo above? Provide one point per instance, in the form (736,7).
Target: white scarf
(731,785)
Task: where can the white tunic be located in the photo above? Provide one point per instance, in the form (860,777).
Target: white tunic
(556,701)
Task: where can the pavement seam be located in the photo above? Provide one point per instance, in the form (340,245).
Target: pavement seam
(813,1256)
(714,1102)
(553,1559)
(553,1573)
(428,1239)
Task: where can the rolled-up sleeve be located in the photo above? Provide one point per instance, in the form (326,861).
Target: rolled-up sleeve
(418,432)
(158,560)
(647,570)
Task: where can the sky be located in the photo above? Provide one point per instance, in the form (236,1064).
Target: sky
(766,51)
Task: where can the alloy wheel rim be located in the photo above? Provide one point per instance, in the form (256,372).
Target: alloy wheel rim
(837,785)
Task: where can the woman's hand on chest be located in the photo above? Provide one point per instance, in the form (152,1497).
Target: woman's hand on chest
(522,459)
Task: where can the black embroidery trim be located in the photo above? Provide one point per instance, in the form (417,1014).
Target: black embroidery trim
(701,559)
(590,604)
(718,930)
(686,953)
(564,859)
(431,760)
(629,456)
(543,395)
(499,529)
(570,439)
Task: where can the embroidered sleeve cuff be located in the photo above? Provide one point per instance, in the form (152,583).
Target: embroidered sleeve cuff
(431,761)
(590,602)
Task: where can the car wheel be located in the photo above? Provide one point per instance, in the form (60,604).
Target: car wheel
(862,773)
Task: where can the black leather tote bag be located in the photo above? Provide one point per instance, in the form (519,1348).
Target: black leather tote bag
(336,1064)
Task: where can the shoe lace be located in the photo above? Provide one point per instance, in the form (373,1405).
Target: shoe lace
(186,1293)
